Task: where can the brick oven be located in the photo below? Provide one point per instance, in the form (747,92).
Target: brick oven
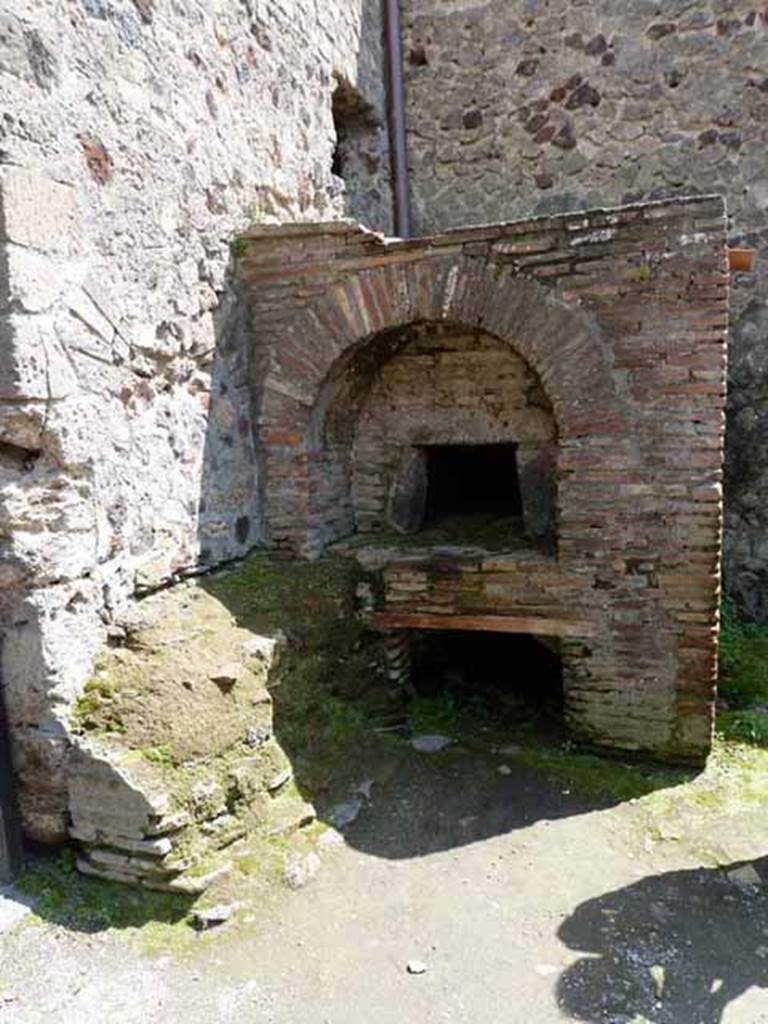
(517,429)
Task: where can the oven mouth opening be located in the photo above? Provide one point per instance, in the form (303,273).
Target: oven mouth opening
(471,481)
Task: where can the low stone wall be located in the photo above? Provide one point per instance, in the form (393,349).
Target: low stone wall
(197,732)
(175,756)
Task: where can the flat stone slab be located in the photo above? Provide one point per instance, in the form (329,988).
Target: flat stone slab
(746,875)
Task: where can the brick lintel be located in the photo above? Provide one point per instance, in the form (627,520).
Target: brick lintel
(483,623)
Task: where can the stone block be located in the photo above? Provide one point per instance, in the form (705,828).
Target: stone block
(34,281)
(37,212)
(33,364)
(406,503)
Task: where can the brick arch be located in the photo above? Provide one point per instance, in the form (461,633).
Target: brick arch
(359,322)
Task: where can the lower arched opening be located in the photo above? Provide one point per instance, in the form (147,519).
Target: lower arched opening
(480,684)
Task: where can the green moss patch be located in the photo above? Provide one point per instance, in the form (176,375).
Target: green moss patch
(743,682)
(486,533)
(225,694)
(743,661)
(181,686)
(329,689)
(152,921)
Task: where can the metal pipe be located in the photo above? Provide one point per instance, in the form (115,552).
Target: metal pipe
(10,828)
(396,104)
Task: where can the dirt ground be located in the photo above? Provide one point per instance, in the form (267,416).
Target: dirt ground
(526,901)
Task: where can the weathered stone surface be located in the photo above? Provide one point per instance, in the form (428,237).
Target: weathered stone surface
(161,777)
(211,917)
(110,795)
(430,743)
(407,498)
(39,213)
(342,815)
(301,869)
(137,142)
(746,466)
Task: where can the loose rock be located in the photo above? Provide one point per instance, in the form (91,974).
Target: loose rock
(364,788)
(430,743)
(745,876)
(344,814)
(211,917)
(301,870)
(416,967)
(658,977)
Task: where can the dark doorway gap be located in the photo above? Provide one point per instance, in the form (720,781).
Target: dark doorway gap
(11,852)
(353,120)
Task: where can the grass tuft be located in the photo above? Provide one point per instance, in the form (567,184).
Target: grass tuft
(743,684)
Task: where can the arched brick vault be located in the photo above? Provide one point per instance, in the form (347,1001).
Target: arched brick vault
(560,342)
(622,315)
(423,384)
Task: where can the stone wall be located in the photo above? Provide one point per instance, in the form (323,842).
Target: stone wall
(540,106)
(137,138)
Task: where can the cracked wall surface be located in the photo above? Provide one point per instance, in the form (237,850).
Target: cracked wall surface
(136,140)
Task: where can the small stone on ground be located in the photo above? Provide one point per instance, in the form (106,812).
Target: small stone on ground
(210,917)
(301,870)
(345,813)
(416,967)
(430,743)
(745,875)
(330,838)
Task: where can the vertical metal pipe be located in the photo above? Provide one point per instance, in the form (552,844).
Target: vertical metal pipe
(396,103)
(10,828)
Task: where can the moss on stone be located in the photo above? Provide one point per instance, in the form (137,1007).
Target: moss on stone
(222,689)
(182,682)
(153,921)
(485,533)
(329,685)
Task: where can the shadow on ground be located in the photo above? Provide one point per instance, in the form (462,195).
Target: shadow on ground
(670,948)
(348,735)
(424,803)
